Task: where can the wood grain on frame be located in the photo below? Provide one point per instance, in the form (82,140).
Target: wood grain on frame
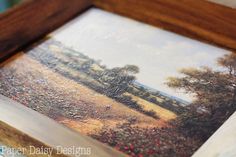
(198,19)
(33,19)
(16,139)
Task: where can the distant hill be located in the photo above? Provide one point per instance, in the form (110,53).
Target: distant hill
(159,98)
(154,91)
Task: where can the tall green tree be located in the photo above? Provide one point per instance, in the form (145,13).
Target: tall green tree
(215,96)
(117,80)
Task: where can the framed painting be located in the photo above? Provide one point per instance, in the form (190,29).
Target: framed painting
(137,88)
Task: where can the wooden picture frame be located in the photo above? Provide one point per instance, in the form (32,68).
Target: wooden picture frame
(200,20)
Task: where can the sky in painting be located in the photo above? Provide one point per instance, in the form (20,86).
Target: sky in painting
(118,41)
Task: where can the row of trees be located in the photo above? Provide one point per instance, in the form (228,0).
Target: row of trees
(112,82)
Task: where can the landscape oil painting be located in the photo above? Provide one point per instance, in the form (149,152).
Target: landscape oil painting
(137,88)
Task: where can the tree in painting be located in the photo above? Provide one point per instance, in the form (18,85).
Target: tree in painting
(215,96)
(118,79)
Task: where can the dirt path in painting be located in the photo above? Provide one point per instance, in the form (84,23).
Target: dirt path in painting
(68,102)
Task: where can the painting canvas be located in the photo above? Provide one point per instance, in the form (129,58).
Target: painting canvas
(137,88)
